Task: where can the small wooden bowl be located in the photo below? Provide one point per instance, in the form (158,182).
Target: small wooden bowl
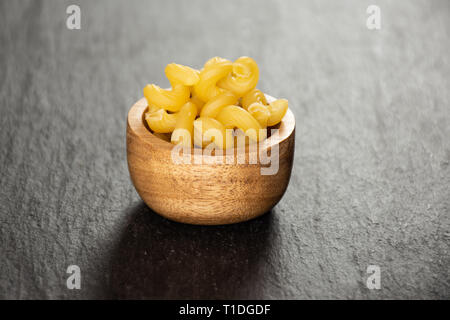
(205,194)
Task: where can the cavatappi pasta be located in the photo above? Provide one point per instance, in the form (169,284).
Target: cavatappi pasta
(205,106)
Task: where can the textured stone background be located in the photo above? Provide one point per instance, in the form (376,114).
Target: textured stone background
(371,180)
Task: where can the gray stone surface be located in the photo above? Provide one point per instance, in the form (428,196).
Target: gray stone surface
(370,184)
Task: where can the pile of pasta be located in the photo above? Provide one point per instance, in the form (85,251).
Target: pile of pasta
(205,106)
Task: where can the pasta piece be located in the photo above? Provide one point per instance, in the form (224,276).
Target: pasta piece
(213,106)
(152,108)
(243,78)
(199,103)
(171,100)
(237,117)
(180,77)
(214,70)
(253,96)
(212,94)
(179,74)
(213,61)
(260,112)
(160,121)
(277,110)
(184,127)
(209,130)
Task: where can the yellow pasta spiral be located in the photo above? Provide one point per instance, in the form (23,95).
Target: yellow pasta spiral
(214,70)
(160,121)
(260,112)
(243,78)
(209,130)
(277,110)
(180,77)
(199,103)
(253,96)
(213,106)
(184,127)
(179,74)
(237,117)
(222,96)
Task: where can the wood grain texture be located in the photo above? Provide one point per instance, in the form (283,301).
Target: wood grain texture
(206,193)
(371,175)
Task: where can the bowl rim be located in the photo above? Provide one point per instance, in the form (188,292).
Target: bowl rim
(135,121)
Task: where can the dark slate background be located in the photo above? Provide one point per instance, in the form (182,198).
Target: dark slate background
(370,184)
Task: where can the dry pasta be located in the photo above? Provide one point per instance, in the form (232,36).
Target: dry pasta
(260,112)
(179,74)
(209,130)
(256,101)
(237,117)
(184,127)
(203,107)
(160,121)
(214,70)
(253,96)
(277,110)
(243,78)
(180,77)
(199,103)
(212,107)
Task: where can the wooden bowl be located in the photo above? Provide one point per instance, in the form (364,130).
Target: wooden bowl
(205,194)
